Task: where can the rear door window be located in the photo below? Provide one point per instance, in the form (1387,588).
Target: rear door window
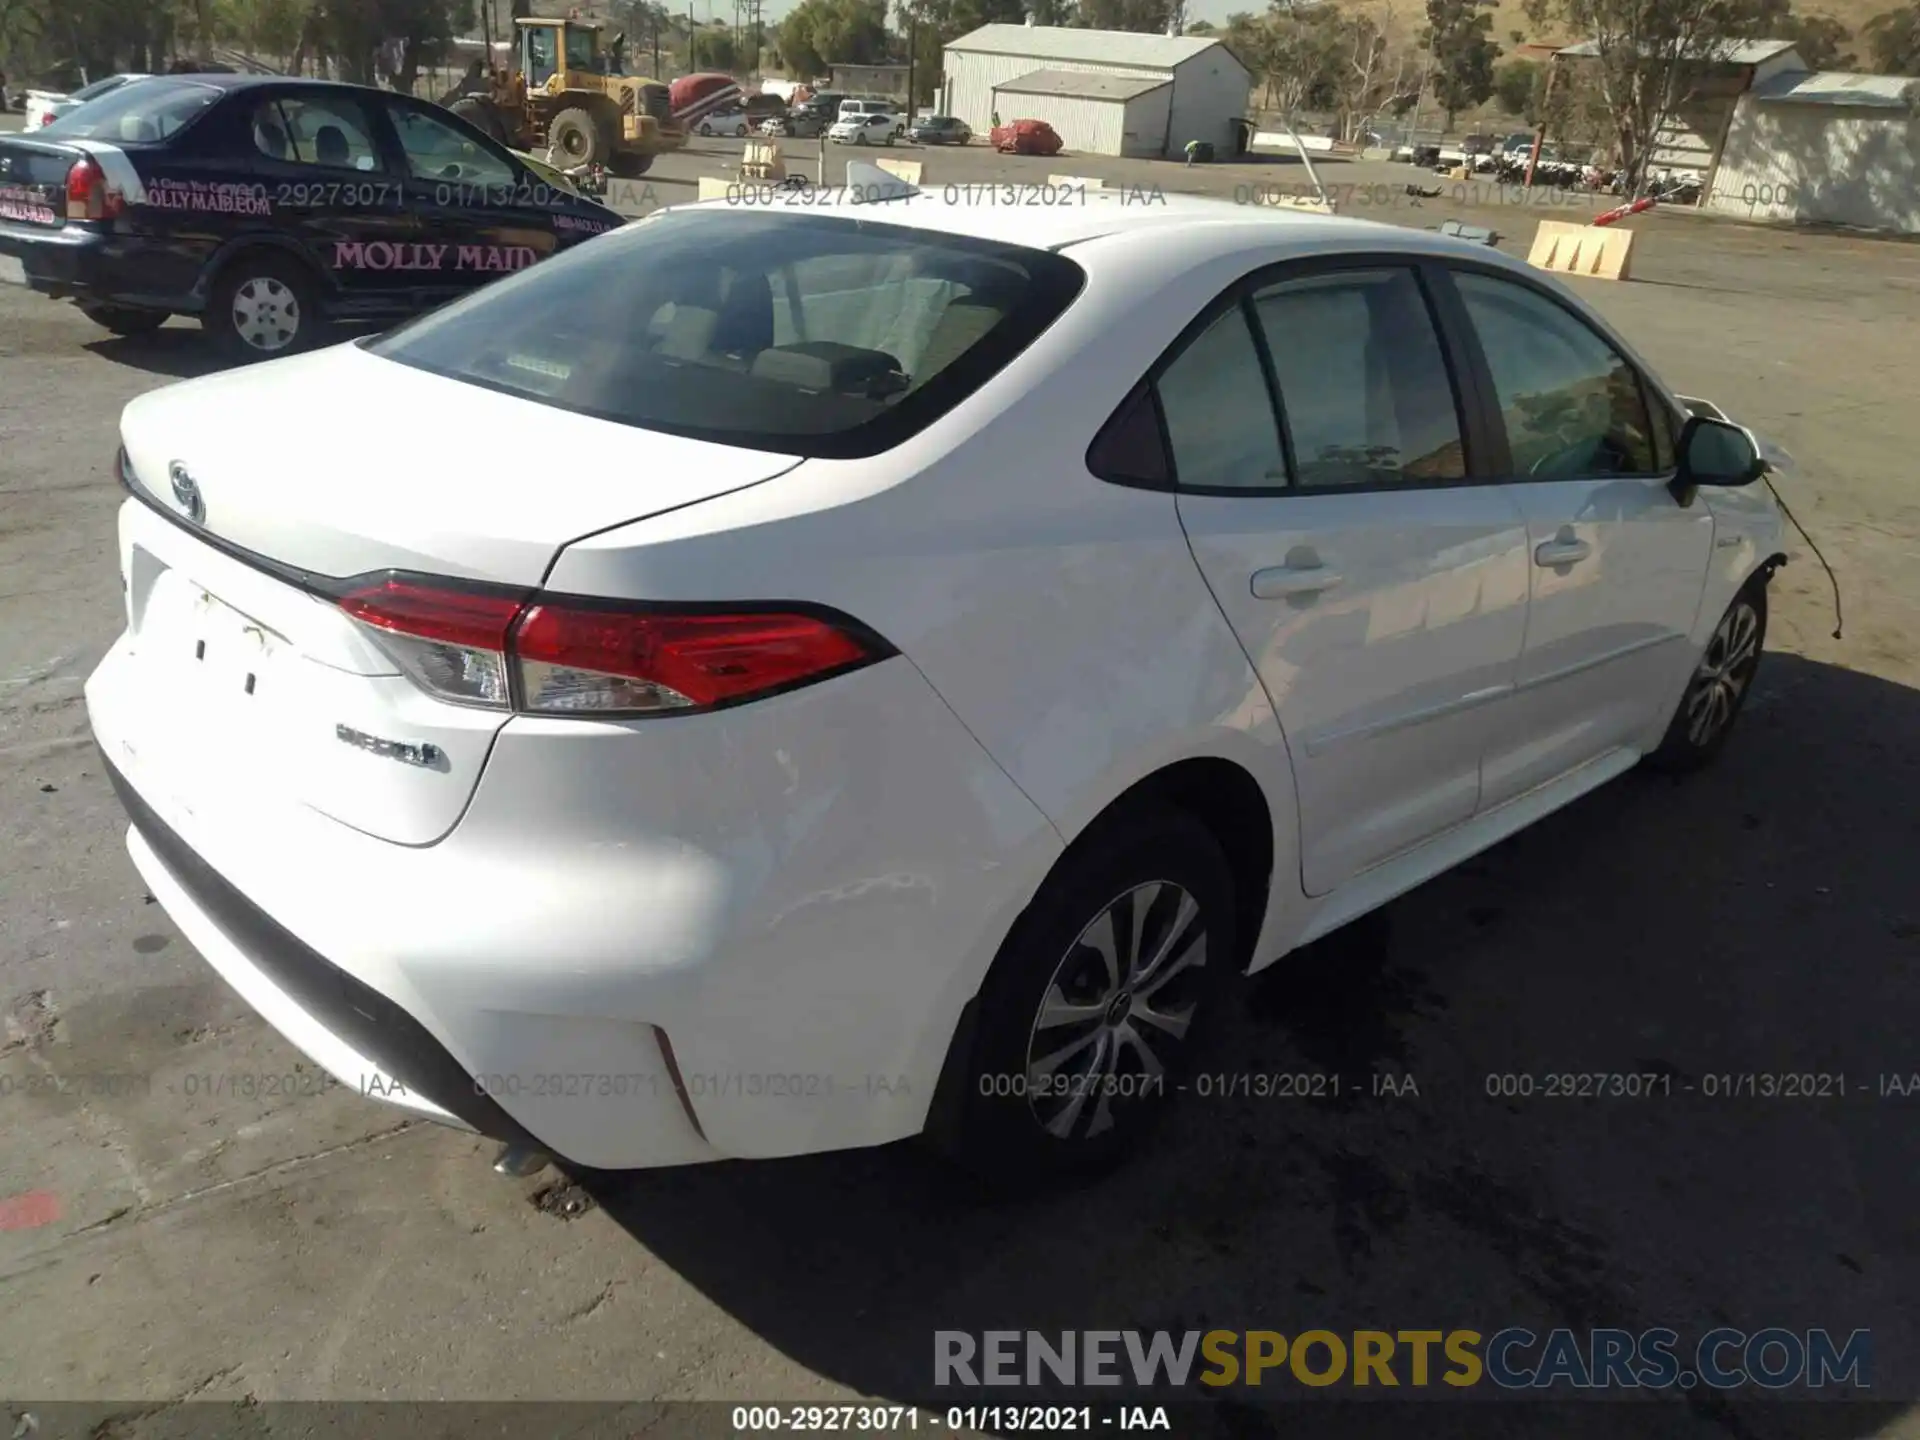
(1219,416)
(1363,384)
(329,131)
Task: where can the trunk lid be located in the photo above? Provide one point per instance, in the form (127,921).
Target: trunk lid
(254,688)
(33,182)
(340,462)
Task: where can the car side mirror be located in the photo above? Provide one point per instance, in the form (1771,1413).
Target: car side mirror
(1714,452)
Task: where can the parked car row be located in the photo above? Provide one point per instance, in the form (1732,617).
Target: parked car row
(855,122)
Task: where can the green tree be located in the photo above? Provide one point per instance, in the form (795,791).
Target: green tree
(713,49)
(1145,16)
(1893,38)
(819,34)
(1459,37)
(1821,40)
(1650,56)
(1514,84)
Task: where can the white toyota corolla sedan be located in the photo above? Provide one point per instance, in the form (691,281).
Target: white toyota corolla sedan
(769,681)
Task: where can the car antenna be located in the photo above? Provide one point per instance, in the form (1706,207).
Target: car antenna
(1832,579)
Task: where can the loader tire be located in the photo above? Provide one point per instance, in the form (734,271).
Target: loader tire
(483,116)
(627,165)
(576,138)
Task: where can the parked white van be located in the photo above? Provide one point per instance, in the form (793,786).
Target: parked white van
(856,109)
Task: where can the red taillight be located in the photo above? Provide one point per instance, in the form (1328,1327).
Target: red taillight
(88,197)
(591,659)
(46,118)
(428,612)
(474,647)
(452,642)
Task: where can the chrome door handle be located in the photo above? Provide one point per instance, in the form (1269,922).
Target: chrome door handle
(1279,581)
(1561,552)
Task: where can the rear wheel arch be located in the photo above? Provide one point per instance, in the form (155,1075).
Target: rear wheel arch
(252,246)
(1225,799)
(1223,796)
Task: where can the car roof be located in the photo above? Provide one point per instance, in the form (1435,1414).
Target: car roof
(1139,214)
(221,80)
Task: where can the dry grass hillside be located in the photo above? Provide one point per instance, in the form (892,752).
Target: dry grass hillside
(1510,16)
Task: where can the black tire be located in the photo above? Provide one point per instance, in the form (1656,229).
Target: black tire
(576,138)
(483,115)
(124,320)
(264,305)
(1021,1121)
(629,166)
(1719,685)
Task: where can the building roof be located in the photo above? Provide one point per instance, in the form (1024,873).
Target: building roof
(1082,84)
(1746,52)
(1841,87)
(1090,47)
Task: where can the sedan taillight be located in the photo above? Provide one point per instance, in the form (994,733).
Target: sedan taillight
(88,197)
(554,655)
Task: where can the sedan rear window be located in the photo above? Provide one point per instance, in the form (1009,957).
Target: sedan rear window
(801,333)
(136,112)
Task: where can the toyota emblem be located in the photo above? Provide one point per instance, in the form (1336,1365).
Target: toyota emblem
(186,492)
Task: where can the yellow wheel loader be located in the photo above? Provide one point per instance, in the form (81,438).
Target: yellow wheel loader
(565,98)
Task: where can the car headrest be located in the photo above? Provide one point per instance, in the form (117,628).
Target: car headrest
(330,145)
(824,365)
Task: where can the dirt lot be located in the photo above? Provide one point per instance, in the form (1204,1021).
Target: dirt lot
(170,1232)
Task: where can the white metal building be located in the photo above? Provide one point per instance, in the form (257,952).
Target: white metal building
(1024,72)
(1828,147)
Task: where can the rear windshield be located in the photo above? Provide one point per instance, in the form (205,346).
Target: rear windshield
(801,333)
(140,110)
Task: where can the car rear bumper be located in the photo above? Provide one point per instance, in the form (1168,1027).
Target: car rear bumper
(93,266)
(737,935)
(348,1027)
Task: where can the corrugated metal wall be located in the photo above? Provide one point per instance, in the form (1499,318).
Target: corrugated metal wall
(1209,93)
(1837,164)
(970,78)
(1145,132)
(1687,140)
(1087,126)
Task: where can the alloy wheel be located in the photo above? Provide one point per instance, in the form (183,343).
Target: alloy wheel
(1116,1012)
(1723,674)
(266,314)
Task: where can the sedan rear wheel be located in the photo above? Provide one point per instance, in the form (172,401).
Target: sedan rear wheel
(1094,1008)
(262,306)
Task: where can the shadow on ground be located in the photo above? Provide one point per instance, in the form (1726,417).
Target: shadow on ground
(1760,917)
(186,351)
